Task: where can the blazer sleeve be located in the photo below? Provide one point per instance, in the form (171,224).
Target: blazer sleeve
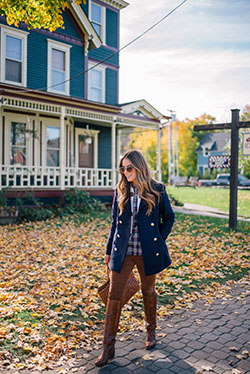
(113,224)
(167,216)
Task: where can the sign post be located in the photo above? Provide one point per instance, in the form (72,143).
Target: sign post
(234,126)
(234,169)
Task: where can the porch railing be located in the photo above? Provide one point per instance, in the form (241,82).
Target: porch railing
(19,176)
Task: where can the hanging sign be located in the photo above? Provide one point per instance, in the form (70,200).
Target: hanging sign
(246,144)
(219,162)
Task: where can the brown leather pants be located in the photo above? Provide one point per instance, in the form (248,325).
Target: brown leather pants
(118,281)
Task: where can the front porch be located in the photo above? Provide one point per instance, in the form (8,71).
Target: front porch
(50,147)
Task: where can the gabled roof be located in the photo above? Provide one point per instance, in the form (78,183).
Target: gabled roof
(86,26)
(141,108)
(215,141)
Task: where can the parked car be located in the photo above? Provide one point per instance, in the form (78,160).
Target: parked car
(243,181)
(224,180)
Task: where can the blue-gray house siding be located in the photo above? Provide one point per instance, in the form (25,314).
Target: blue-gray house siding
(111,86)
(112,28)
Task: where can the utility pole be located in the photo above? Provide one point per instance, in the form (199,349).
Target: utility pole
(170,151)
(177,152)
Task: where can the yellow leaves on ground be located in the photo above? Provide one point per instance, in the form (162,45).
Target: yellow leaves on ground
(50,273)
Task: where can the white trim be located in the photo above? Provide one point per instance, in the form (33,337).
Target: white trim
(147,109)
(94,40)
(62,151)
(52,44)
(103,20)
(5,30)
(102,69)
(92,133)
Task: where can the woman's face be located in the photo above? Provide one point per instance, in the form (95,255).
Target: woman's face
(130,174)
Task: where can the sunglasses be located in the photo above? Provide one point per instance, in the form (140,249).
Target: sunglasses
(123,169)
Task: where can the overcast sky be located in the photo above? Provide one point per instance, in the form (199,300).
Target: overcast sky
(196,61)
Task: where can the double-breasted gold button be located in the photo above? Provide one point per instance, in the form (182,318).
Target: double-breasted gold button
(157,254)
(155,239)
(152,224)
(115,249)
(120,221)
(118,235)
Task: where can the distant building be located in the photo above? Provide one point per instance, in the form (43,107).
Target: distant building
(212,144)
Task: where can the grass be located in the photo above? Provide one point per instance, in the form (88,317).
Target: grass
(212,197)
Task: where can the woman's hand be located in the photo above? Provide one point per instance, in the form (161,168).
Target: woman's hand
(107,259)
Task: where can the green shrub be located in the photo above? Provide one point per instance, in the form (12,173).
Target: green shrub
(30,209)
(79,201)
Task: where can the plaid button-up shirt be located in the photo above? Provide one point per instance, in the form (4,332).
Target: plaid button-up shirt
(134,245)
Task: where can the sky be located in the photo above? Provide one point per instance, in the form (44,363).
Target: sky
(196,61)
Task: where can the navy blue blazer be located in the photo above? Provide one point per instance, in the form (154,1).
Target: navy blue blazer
(153,231)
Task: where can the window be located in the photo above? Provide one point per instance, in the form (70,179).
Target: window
(206,152)
(58,67)
(53,145)
(14,52)
(98,19)
(96,84)
(17,143)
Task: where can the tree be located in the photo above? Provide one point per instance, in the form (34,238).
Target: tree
(36,14)
(188,141)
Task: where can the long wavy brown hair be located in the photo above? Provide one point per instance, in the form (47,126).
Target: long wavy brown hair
(145,182)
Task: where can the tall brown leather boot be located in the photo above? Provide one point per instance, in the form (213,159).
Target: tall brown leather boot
(150,303)
(113,311)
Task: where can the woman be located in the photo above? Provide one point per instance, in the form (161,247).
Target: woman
(142,219)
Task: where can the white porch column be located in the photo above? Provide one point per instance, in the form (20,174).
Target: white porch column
(1,143)
(113,153)
(118,146)
(159,174)
(62,149)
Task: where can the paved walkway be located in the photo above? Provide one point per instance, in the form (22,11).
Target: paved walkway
(214,339)
(203,210)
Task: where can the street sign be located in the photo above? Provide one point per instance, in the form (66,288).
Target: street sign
(219,162)
(246,144)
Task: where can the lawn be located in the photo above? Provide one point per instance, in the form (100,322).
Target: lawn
(213,197)
(50,271)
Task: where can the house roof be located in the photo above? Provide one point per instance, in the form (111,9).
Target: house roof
(142,108)
(215,141)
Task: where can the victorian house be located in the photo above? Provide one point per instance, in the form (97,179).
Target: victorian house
(60,116)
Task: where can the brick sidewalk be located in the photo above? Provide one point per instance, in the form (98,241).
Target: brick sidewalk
(214,339)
